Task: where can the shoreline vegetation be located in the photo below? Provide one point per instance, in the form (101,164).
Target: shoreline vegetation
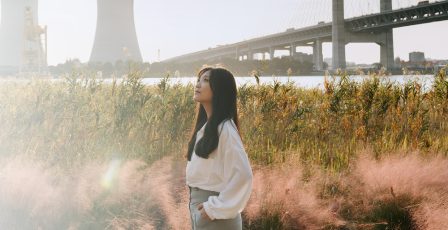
(283,66)
(356,155)
(277,66)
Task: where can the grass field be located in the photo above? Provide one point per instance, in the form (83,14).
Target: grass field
(83,154)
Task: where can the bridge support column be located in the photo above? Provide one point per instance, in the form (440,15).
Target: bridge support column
(387,45)
(318,58)
(250,55)
(237,54)
(338,35)
(271,52)
(292,50)
(387,50)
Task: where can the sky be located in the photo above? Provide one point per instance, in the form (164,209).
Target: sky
(177,27)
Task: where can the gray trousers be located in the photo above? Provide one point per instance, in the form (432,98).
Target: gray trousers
(198,196)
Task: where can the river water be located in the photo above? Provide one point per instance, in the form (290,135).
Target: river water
(308,82)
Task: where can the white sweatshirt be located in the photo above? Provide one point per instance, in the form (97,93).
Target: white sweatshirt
(227,171)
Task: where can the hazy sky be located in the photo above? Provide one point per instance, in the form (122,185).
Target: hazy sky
(179,26)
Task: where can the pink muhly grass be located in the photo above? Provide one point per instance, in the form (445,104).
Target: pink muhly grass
(27,191)
(34,196)
(433,215)
(410,174)
(85,186)
(172,196)
(423,180)
(282,191)
(142,196)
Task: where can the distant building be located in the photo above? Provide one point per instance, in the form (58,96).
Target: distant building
(115,37)
(417,57)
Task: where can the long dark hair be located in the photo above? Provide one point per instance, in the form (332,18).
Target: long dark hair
(224,92)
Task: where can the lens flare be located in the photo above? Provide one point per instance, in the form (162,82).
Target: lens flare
(111,175)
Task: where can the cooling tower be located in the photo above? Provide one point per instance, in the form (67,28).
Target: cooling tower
(15,16)
(115,37)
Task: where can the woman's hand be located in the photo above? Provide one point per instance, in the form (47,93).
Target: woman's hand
(202,211)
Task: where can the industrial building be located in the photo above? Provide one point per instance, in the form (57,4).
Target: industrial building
(115,37)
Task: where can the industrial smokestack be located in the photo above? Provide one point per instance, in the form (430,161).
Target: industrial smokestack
(19,30)
(115,37)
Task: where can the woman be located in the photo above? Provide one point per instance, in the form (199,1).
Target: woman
(218,171)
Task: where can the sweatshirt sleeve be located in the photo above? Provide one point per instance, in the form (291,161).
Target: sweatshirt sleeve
(237,175)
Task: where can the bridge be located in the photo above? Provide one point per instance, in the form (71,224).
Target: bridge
(372,28)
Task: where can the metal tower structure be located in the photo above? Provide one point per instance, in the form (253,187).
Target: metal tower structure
(115,37)
(34,56)
(22,42)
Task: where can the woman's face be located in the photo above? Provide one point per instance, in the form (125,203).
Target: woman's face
(203,92)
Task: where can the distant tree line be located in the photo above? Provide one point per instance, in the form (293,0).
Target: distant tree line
(278,66)
(106,69)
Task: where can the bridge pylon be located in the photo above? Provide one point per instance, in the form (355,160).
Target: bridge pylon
(338,35)
(387,45)
(318,58)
